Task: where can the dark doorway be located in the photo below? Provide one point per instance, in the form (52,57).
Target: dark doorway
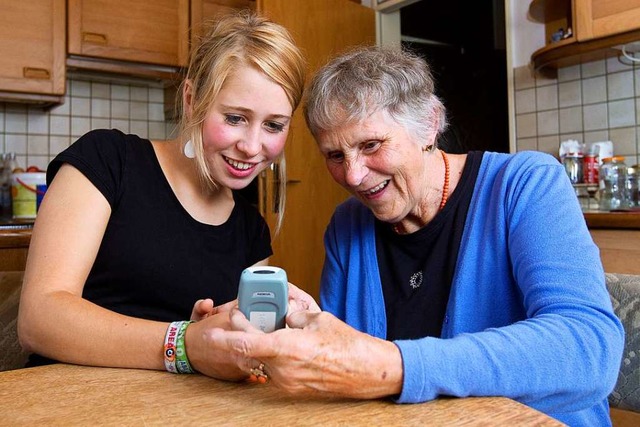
(464,43)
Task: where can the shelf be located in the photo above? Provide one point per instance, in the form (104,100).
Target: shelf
(569,52)
(545,11)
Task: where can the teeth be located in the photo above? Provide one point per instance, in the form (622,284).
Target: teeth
(238,165)
(377,188)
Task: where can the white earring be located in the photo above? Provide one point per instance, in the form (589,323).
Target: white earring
(189,150)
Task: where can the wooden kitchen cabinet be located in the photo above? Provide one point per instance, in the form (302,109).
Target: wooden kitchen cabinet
(602,18)
(598,27)
(206,10)
(32,50)
(150,32)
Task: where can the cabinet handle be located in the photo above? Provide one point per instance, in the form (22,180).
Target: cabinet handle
(94,38)
(36,73)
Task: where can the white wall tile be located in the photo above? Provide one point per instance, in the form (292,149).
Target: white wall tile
(139,110)
(548,123)
(140,128)
(156,94)
(622,113)
(624,140)
(526,125)
(16,122)
(100,90)
(570,93)
(120,109)
(59,125)
(620,85)
(122,125)
(139,93)
(16,143)
(523,78)
(62,109)
(120,92)
(80,107)
(547,97)
(80,126)
(570,119)
(37,122)
(594,68)
(58,144)
(614,64)
(527,144)
(156,112)
(38,144)
(157,130)
(549,144)
(98,123)
(595,117)
(100,108)
(569,73)
(80,88)
(596,136)
(594,90)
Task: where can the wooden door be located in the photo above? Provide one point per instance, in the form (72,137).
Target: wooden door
(155,32)
(601,18)
(322,28)
(32,46)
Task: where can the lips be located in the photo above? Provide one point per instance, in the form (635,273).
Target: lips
(375,190)
(240,166)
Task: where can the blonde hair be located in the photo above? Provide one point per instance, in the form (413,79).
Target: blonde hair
(235,40)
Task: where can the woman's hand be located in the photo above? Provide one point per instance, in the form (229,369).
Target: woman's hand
(204,308)
(317,355)
(300,300)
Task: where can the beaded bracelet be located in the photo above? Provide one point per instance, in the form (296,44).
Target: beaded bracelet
(175,354)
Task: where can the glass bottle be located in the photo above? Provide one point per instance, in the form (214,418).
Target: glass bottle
(633,186)
(613,177)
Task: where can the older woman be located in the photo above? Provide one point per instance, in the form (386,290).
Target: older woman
(461,275)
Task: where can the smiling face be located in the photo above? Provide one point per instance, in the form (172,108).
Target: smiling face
(246,127)
(381,163)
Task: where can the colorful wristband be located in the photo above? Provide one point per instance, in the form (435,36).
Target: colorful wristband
(182,361)
(170,347)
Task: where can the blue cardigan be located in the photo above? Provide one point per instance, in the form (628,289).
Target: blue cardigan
(529,316)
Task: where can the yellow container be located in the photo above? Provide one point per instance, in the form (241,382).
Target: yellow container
(27,190)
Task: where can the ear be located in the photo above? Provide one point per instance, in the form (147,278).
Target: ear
(187,97)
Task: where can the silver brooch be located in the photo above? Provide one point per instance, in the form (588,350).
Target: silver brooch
(416,280)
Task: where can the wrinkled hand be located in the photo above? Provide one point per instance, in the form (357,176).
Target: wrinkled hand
(300,300)
(317,355)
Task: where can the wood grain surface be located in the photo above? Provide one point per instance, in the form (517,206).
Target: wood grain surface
(77,395)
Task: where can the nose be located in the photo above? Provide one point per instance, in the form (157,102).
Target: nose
(355,171)
(250,143)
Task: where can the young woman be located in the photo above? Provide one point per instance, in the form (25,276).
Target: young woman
(133,232)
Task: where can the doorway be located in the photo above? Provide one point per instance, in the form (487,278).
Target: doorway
(464,43)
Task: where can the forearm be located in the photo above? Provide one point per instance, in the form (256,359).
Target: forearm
(70,329)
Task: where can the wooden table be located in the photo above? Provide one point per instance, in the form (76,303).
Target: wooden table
(78,395)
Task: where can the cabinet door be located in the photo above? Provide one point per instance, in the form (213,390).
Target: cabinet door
(601,18)
(203,11)
(155,32)
(32,46)
(322,28)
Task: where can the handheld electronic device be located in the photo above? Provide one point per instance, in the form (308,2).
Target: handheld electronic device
(263,296)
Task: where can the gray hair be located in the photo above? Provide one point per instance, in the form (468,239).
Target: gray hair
(369,79)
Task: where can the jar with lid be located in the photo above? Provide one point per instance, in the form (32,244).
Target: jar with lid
(613,180)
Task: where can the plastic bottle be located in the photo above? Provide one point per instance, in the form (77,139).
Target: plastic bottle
(633,186)
(613,177)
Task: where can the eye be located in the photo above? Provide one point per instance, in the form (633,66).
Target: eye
(233,119)
(274,127)
(370,146)
(335,156)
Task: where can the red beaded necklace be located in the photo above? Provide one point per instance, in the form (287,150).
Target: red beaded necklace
(445,188)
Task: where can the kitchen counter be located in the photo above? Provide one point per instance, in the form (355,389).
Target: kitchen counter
(613,220)
(15,236)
